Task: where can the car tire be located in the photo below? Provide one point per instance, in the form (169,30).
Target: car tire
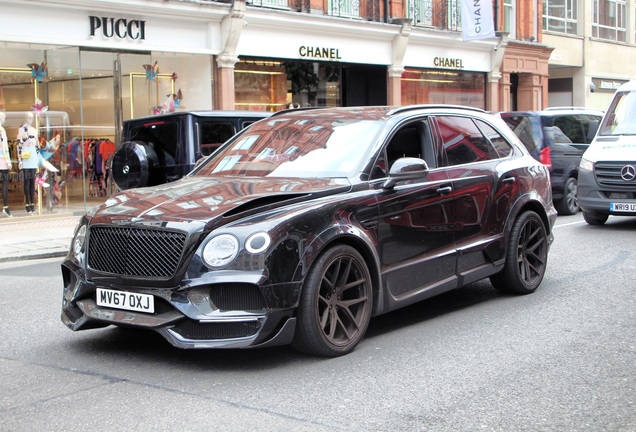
(133,164)
(595,219)
(526,256)
(335,304)
(569,204)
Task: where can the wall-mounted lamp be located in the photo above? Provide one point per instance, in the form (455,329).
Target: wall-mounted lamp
(592,87)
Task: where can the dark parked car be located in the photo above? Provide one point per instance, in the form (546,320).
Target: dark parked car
(557,137)
(307,224)
(163,148)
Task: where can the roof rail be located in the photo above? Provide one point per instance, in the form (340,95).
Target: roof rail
(571,108)
(286,110)
(406,108)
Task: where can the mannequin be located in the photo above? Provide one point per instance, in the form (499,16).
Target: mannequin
(5,166)
(28,160)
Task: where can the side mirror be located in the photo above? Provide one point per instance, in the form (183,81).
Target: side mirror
(406,168)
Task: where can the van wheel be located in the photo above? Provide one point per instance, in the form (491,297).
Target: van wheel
(526,256)
(569,204)
(594,219)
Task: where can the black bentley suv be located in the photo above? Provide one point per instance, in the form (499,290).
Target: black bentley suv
(307,224)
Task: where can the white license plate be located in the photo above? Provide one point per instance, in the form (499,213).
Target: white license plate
(623,207)
(125,300)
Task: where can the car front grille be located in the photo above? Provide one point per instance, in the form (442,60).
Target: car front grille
(220,330)
(608,173)
(138,252)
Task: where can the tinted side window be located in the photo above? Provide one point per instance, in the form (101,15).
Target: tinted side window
(522,127)
(213,134)
(571,127)
(500,145)
(160,135)
(590,124)
(462,141)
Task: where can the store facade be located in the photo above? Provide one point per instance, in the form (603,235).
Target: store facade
(101,67)
(82,80)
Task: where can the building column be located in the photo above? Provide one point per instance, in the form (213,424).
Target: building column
(396,69)
(231,28)
(495,88)
(394,86)
(504,93)
(225,81)
(530,92)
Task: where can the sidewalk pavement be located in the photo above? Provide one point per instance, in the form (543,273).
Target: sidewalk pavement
(36,237)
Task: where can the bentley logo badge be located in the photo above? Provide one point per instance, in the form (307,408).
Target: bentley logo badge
(628,173)
(126,169)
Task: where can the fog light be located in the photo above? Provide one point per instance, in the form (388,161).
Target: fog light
(257,243)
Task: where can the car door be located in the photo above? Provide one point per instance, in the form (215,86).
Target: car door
(473,156)
(415,232)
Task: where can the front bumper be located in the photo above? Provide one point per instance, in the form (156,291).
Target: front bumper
(193,314)
(597,199)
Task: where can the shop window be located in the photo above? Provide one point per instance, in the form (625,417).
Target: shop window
(344,8)
(609,20)
(444,15)
(443,87)
(510,17)
(275,4)
(560,16)
(260,85)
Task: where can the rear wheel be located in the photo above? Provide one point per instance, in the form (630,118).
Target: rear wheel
(335,305)
(526,256)
(569,204)
(595,219)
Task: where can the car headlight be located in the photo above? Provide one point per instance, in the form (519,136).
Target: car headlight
(79,240)
(586,165)
(220,251)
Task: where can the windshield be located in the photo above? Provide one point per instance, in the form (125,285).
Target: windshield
(621,115)
(295,147)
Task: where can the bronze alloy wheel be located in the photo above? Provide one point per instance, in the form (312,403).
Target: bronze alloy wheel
(526,257)
(336,304)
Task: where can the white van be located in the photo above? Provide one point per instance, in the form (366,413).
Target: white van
(607,174)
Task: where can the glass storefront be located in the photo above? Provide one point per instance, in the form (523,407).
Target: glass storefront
(272,85)
(79,99)
(427,86)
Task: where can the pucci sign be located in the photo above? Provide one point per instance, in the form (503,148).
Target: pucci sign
(121,28)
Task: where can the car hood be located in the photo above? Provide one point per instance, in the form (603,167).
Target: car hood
(621,148)
(214,201)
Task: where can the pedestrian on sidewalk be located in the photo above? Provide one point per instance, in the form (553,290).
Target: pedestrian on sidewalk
(5,166)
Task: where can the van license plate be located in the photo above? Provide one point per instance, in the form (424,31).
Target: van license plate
(623,207)
(125,300)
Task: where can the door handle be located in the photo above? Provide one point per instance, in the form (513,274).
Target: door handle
(509,180)
(444,190)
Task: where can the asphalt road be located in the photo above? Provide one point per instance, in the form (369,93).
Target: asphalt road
(561,359)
